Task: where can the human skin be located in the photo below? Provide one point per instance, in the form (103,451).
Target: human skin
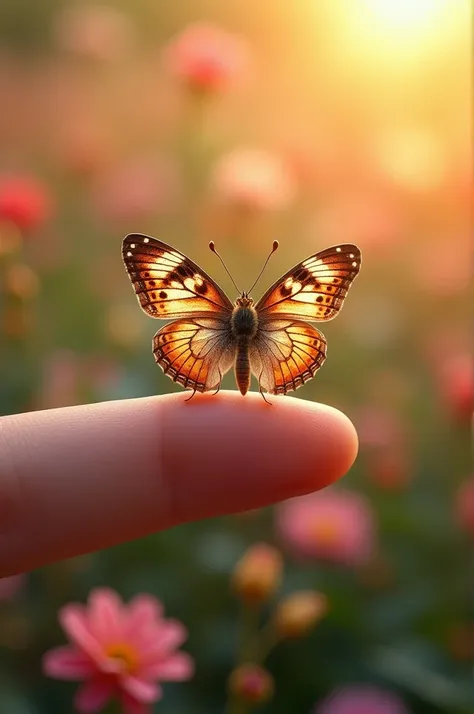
(78,479)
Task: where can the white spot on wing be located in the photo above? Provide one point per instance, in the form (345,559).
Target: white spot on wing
(129,255)
(338,250)
(132,245)
(354,264)
(146,240)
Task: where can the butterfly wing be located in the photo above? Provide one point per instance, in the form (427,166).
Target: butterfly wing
(195,352)
(314,289)
(286,354)
(167,283)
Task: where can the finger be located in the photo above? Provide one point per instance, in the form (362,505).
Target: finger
(78,479)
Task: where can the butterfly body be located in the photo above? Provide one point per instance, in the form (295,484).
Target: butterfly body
(244,326)
(208,334)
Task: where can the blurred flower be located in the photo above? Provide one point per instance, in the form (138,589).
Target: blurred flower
(24,201)
(456,383)
(254,180)
(119,650)
(11,586)
(298,613)
(251,683)
(389,468)
(361,699)
(99,32)
(465,505)
(258,573)
(21,281)
(206,58)
(134,191)
(332,525)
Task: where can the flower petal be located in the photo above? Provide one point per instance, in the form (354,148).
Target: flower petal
(105,614)
(169,635)
(73,619)
(140,690)
(175,668)
(131,706)
(94,695)
(68,663)
(144,610)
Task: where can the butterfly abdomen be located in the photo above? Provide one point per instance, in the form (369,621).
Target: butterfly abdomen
(244,323)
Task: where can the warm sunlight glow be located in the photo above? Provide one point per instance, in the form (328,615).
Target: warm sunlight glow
(406,15)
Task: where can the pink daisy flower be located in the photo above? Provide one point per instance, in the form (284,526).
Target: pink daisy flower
(332,525)
(119,650)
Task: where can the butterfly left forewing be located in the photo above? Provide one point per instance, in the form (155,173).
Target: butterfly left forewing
(314,289)
(168,284)
(286,354)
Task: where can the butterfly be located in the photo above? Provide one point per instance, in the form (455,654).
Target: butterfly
(209,334)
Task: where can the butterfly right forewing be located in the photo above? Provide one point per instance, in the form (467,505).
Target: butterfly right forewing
(314,289)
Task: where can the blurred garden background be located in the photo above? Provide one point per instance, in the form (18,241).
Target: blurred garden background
(311,122)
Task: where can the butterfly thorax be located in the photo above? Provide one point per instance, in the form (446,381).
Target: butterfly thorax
(244,320)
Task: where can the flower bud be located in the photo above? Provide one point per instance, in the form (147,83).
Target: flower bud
(258,573)
(251,683)
(297,614)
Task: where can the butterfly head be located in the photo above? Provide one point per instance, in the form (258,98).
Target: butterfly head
(244,300)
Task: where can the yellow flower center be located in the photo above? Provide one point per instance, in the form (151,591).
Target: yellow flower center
(325,531)
(124,654)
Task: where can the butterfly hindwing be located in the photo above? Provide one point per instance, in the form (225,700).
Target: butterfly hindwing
(195,352)
(314,289)
(286,354)
(167,283)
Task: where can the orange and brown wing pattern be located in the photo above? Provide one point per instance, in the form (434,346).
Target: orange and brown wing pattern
(314,289)
(195,352)
(167,283)
(286,354)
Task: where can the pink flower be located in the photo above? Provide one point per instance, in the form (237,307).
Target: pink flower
(332,525)
(361,699)
(119,650)
(206,57)
(456,381)
(465,505)
(11,586)
(98,32)
(253,179)
(24,201)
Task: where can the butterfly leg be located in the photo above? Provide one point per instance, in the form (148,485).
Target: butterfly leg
(262,392)
(192,395)
(219,385)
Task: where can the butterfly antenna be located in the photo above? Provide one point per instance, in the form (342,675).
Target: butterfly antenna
(274,248)
(213,248)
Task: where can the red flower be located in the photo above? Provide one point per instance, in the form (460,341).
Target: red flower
(206,57)
(24,201)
